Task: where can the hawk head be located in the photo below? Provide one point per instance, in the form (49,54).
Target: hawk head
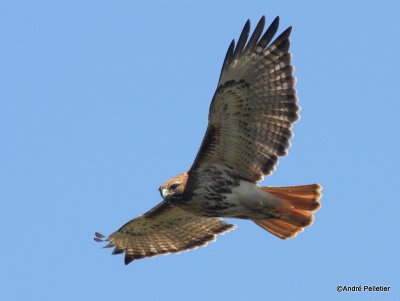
(174,187)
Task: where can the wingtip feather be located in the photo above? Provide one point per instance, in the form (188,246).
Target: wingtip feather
(99,235)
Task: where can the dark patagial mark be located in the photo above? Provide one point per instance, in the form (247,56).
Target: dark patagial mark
(210,139)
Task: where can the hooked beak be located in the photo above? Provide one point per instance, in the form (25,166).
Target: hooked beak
(164,192)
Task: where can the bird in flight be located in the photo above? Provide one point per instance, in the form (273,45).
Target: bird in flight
(249,128)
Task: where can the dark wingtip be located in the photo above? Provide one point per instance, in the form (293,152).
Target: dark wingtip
(269,33)
(255,36)
(247,25)
(228,57)
(117,251)
(128,259)
(275,23)
(99,235)
(285,34)
(242,40)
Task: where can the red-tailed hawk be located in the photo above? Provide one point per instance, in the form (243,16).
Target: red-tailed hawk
(249,127)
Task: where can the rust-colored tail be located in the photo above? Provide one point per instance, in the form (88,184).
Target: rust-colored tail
(302,200)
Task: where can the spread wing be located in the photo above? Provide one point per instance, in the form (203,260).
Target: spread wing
(162,230)
(254,106)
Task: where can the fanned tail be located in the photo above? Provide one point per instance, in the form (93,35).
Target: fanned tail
(302,200)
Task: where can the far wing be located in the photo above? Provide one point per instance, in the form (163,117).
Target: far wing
(254,106)
(162,230)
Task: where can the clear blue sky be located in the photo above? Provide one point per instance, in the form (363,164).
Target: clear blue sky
(101,101)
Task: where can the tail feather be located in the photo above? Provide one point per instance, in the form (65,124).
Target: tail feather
(279,228)
(301,200)
(304,197)
(296,217)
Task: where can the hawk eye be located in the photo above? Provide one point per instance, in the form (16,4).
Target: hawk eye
(173,187)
